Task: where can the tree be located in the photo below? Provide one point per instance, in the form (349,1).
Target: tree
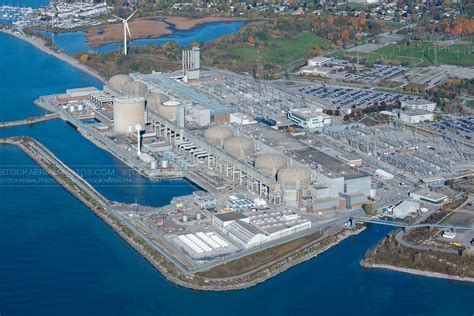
(330,20)
(84,58)
(368,209)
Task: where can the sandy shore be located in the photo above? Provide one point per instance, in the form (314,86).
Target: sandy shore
(183,23)
(139,28)
(417,272)
(39,43)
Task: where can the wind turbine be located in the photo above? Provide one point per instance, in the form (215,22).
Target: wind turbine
(126,30)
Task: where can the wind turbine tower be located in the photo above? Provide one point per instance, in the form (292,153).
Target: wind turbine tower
(126,30)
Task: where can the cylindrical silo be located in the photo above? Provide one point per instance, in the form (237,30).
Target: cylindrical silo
(169,109)
(269,164)
(127,113)
(218,134)
(239,146)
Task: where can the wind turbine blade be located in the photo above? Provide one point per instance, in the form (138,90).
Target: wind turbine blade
(118,17)
(128,30)
(132,15)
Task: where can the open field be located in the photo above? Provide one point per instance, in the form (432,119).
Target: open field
(420,52)
(139,28)
(470,104)
(277,50)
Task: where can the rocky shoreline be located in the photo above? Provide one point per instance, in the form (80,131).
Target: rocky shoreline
(368,265)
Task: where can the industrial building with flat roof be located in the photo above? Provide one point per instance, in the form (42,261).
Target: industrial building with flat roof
(418,104)
(309,118)
(429,196)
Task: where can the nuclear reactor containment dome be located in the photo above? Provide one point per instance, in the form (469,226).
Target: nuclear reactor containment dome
(218,134)
(155,99)
(135,89)
(168,109)
(269,164)
(128,112)
(119,82)
(239,146)
(294,178)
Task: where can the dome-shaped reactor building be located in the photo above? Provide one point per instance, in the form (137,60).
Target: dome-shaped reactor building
(269,164)
(155,99)
(119,82)
(128,112)
(218,134)
(294,178)
(239,147)
(294,181)
(135,89)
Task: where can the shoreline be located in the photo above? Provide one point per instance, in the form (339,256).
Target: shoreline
(100,206)
(39,44)
(415,272)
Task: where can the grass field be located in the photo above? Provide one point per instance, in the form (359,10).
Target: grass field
(277,50)
(420,52)
(470,104)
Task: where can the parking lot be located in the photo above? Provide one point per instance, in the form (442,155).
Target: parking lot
(351,97)
(460,127)
(374,74)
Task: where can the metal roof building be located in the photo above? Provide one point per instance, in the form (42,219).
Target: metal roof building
(182,92)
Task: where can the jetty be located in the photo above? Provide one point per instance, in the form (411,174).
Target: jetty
(30,120)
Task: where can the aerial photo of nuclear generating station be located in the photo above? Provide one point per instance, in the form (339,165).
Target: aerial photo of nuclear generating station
(300,157)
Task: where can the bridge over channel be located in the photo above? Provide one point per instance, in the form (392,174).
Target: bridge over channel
(406,226)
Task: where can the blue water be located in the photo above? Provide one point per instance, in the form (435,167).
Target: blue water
(39,73)
(75,42)
(57,258)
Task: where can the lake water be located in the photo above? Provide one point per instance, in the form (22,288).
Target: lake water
(57,258)
(75,42)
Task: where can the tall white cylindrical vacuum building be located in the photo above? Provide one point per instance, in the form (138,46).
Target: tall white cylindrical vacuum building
(128,112)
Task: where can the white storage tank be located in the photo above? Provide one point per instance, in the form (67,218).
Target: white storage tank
(164,164)
(218,134)
(128,112)
(239,146)
(72,108)
(153,165)
(80,107)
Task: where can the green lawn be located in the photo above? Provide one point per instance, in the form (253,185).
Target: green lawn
(470,104)
(420,52)
(278,50)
